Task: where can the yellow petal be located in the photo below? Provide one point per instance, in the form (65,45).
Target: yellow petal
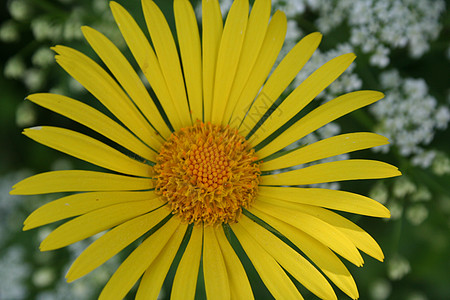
(191,56)
(153,278)
(168,58)
(303,95)
(138,261)
(103,87)
(78,204)
(228,57)
(185,281)
(216,279)
(280,79)
(270,49)
(291,261)
(239,284)
(211,36)
(351,169)
(95,120)
(273,276)
(94,222)
(319,254)
(252,46)
(320,116)
(332,199)
(329,147)
(113,242)
(78,181)
(126,76)
(361,239)
(313,226)
(146,58)
(88,149)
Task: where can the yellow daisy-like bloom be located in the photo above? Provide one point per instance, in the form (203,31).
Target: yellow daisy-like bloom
(195,164)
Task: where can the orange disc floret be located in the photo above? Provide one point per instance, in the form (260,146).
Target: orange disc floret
(207,173)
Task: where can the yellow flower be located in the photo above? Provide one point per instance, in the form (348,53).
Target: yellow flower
(194,163)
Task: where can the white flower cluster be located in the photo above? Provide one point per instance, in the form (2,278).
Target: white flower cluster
(13,273)
(11,216)
(380,289)
(398,267)
(9,31)
(406,199)
(376,27)
(291,8)
(83,288)
(409,117)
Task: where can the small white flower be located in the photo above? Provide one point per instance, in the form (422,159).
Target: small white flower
(416,214)
(380,289)
(20,10)
(403,186)
(43,277)
(441,165)
(25,115)
(33,79)
(398,267)
(43,57)
(14,68)
(9,32)
(379,193)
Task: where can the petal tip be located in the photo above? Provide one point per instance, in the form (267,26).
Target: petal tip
(316,34)
(69,276)
(86,29)
(350,56)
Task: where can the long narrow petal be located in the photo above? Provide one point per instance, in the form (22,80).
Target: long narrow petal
(95,120)
(191,54)
(290,260)
(211,36)
(100,84)
(168,57)
(360,238)
(78,181)
(155,274)
(273,276)
(228,56)
(113,242)
(280,79)
(313,226)
(126,76)
(252,46)
(303,95)
(239,284)
(146,58)
(320,116)
(329,147)
(78,204)
(185,281)
(270,49)
(332,199)
(216,279)
(138,261)
(88,149)
(351,169)
(319,254)
(94,222)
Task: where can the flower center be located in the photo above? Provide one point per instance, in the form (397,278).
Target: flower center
(207,173)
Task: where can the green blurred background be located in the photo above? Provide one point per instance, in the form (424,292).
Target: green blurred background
(411,67)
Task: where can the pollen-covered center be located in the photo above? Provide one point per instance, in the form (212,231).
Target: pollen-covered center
(207,173)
